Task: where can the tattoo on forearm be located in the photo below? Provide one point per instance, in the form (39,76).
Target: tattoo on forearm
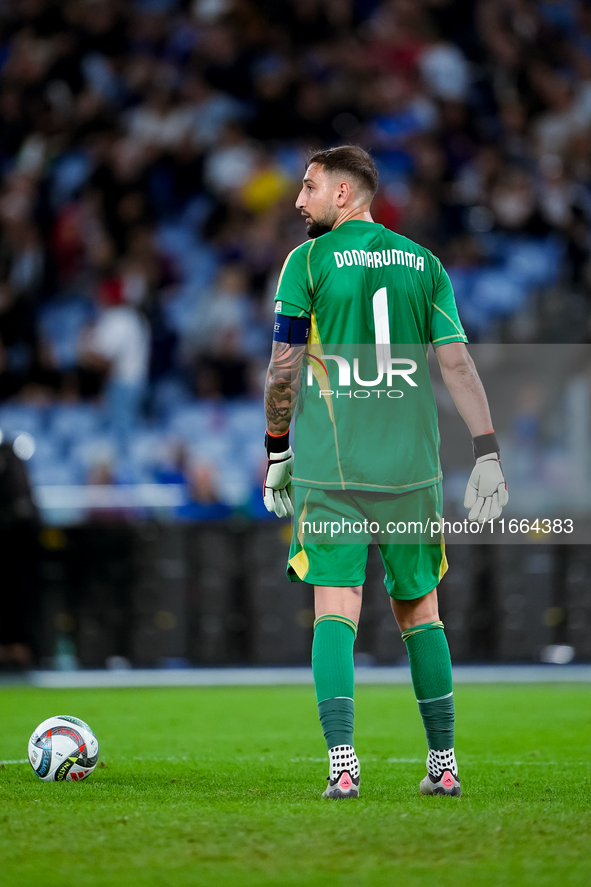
(282,385)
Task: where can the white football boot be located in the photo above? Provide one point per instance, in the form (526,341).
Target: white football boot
(343,781)
(442,778)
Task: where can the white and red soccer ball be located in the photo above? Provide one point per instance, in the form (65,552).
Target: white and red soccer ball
(63,748)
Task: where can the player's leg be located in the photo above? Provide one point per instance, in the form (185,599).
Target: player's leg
(337,612)
(413,572)
(336,568)
(430,667)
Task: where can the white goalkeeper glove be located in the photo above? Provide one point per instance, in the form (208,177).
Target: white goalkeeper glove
(486,493)
(277,483)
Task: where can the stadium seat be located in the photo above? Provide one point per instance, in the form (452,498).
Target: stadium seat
(497,294)
(94,451)
(216,448)
(15,418)
(76,422)
(531,262)
(47,451)
(246,420)
(55,473)
(191,421)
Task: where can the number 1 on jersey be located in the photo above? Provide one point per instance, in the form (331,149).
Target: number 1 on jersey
(382,326)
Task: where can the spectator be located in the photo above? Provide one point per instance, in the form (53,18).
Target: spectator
(217,338)
(165,146)
(514,204)
(568,111)
(118,343)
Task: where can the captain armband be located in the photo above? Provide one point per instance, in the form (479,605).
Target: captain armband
(291,330)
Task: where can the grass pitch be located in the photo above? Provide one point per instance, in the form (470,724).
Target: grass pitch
(222,786)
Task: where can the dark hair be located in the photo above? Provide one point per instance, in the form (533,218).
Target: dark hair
(349,159)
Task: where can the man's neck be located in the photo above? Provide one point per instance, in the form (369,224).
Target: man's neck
(353,214)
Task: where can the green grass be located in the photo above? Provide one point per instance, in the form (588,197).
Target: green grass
(222,786)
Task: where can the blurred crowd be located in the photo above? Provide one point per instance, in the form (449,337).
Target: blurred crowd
(150,154)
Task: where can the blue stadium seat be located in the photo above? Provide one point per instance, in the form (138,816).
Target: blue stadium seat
(17,417)
(150,451)
(76,422)
(169,395)
(215,448)
(234,485)
(194,420)
(93,451)
(245,420)
(130,471)
(496,294)
(531,262)
(47,451)
(55,473)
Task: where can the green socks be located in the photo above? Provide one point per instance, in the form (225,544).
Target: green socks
(334,680)
(430,668)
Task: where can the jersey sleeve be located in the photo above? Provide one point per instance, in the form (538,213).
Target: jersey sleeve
(294,290)
(445,322)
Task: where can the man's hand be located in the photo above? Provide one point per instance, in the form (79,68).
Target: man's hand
(486,493)
(277,484)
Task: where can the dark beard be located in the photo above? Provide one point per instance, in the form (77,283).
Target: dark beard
(315,229)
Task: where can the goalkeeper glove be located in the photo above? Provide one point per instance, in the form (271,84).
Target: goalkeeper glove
(277,483)
(486,493)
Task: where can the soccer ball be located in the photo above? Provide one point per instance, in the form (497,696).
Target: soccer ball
(63,748)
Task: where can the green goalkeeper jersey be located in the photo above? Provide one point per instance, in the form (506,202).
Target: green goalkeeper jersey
(366,417)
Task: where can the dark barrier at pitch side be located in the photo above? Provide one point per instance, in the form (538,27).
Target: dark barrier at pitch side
(216,594)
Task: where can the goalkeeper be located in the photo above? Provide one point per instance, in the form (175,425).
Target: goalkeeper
(367,444)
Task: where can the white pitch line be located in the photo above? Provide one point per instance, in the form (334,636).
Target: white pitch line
(404,760)
(20,761)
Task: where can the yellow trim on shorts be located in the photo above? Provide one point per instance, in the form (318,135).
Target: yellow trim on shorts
(300,562)
(443,566)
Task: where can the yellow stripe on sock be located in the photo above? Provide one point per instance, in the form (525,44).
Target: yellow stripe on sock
(427,627)
(335,617)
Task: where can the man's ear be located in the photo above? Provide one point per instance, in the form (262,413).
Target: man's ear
(343,193)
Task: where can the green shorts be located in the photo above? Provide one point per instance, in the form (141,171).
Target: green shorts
(332,530)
